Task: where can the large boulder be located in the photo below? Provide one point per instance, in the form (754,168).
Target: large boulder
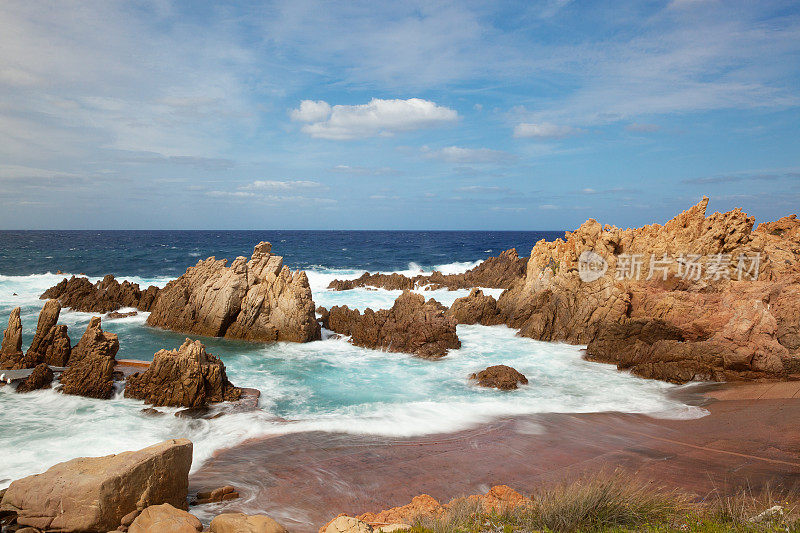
(165,518)
(412,326)
(93,494)
(501,377)
(106,295)
(477,308)
(40,378)
(11,348)
(260,300)
(242,523)
(91,365)
(186,377)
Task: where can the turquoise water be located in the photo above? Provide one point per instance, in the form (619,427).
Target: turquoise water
(327,385)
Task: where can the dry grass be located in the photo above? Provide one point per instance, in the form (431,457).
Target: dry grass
(619,503)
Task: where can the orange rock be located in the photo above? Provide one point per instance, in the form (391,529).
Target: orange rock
(422,505)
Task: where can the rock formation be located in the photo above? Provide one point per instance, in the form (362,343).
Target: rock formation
(40,378)
(500,377)
(165,518)
(477,308)
(91,364)
(242,523)
(106,295)
(96,493)
(259,300)
(187,377)
(11,348)
(499,272)
(412,326)
(693,319)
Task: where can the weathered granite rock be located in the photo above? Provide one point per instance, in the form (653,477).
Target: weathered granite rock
(500,377)
(187,377)
(165,518)
(220,494)
(106,295)
(93,494)
(477,308)
(499,272)
(91,364)
(259,299)
(242,523)
(41,378)
(412,326)
(729,328)
(346,524)
(44,337)
(11,348)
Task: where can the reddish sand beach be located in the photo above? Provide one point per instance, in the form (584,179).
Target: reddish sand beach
(751,437)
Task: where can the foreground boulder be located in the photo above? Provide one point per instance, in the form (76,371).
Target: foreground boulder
(729,313)
(259,300)
(186,377)
(242,523)
(93,494)
(412,326)
(106,295)
(91,364)
(165,518)
(477,308)
(40,378)
(500,377)
(500,272)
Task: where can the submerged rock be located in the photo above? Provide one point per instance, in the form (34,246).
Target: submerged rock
(500,377)
(106,295)
(186,377)
(40,378)
(259,299)
(412,326)
(95,493)
(91,364)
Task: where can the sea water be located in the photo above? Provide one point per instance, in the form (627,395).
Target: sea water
(328,385)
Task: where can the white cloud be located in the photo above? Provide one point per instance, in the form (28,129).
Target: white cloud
(378,117)
(457,154)
(544,130)
(273,185)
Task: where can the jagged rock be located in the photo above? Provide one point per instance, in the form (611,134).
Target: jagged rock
(91,364)
(412,326)
(106,295)
(729,328)
(242,523)
(477,308)
(41,378)
(259,299)
(95,493)
(11,348)
(500,377)
(499,272)
(187,377)
(57,346)
(165,518)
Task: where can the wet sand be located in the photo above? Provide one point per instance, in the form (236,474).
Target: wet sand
(750,438)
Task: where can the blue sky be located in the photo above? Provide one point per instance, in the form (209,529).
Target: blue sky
(395,115)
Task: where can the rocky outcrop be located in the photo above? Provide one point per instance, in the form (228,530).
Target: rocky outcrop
(186,377)
(106,295)
(165,518)
(499,272)
(500,377)
(477,308)
(91,364)
(11,348)
(412,326)
(242,523)
(40,378)
(259,300)
(93,494)
(620,291)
